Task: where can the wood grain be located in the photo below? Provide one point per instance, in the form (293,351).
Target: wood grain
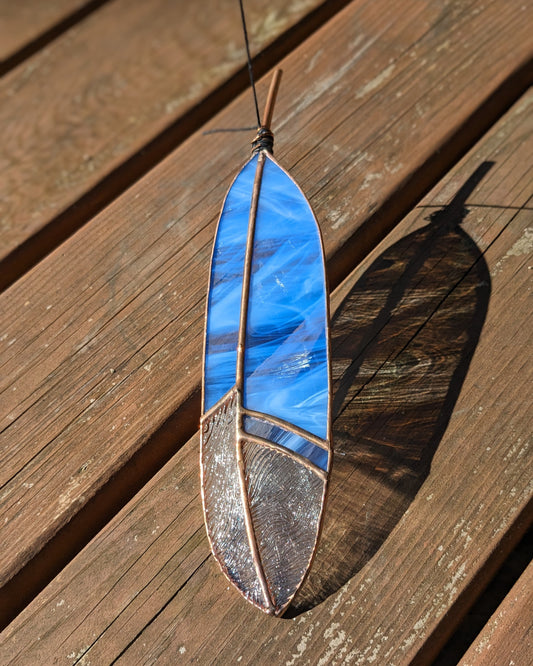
(151,590)
(22,24)
(508,636)
(115,94)
(102,341)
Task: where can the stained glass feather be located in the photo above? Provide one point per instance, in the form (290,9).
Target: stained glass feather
(265,434)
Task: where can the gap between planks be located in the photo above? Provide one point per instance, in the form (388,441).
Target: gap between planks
(420,182)
(478,620)
(115,180)
(507,637)
(44,33)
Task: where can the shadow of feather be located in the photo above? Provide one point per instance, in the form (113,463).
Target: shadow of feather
(402,342)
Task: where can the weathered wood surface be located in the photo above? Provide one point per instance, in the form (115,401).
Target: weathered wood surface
(116,93)
(507,638)
(23,23)
(431,481)
(102,341)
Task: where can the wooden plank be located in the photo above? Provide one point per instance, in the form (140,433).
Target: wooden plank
(508,636)
(102,341)
(24,24)
(430,487)
(487,602)
(117,93)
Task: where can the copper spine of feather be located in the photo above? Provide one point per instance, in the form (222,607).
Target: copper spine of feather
(233,403)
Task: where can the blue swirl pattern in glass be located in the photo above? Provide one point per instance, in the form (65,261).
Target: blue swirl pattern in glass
(290,440)
(286,357)
(224,300)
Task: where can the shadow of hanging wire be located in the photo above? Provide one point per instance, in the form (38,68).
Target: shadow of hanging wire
(402,341)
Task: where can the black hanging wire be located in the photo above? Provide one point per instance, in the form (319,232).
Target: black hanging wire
(264,139)
(250,69)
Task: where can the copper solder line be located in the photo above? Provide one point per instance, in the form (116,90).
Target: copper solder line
(239,371)
(256,557)
(283,450)
(247,271)
(239,377)
(290,427)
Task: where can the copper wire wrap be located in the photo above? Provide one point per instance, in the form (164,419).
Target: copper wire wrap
(264,140)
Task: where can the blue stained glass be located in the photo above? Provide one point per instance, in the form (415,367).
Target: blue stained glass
(226,286)
(289,440)
(285,362)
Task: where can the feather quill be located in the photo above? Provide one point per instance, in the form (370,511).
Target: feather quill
(265,429)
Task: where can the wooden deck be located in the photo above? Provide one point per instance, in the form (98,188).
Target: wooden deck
(411,132)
